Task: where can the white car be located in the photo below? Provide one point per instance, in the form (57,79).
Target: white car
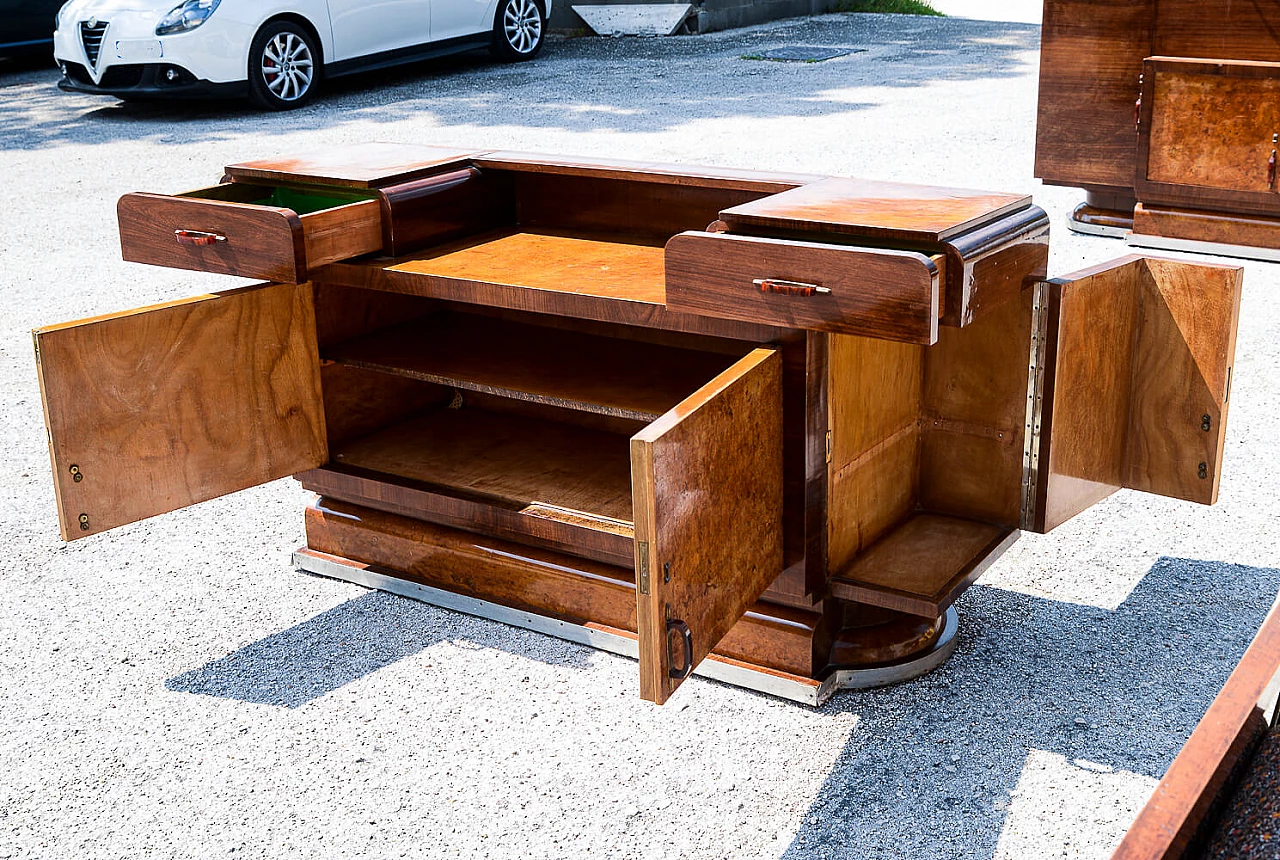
(275,52)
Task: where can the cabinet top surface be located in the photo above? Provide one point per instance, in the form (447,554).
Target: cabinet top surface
(867,207)
(367,165)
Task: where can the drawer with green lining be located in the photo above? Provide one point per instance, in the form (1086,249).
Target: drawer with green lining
(277,232)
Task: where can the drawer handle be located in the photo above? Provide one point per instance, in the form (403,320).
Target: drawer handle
(790,288)
(196,237)
(675,625)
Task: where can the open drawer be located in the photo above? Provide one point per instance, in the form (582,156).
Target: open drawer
(155,409)
(251,230)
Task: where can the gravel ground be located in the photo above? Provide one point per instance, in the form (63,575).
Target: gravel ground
(174,689)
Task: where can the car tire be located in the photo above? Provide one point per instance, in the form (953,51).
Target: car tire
(284,66)
(519,28)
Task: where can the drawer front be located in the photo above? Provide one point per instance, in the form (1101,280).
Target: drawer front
(230,237)
(892,295)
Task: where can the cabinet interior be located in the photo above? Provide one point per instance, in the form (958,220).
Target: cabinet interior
(524,418)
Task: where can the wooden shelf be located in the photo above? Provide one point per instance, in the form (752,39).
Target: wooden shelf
(923,565)
(559,262)
(572,370)
(542,468)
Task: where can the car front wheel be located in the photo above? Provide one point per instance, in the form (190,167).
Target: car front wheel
(518,29)
(284,66)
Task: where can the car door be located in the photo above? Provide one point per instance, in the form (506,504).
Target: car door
(451,19)
(364,27)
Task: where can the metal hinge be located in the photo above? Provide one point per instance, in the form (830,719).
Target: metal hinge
(1035,404)
(35,339)
(642,565)
(828,446)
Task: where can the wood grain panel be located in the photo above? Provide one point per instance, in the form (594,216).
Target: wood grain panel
(575,532)
(1138,365)
(261,241)
(1088,386)
(1229,229)
(728,178)
(507,458)
(1091,54)
(973,414)
(922,566)
(592,373)
(360,402)
(875,397)
(1231,31)
(708,497)
(1184,350)
(558,300)
(547,261)
(548,583)
(444,208)
(1169,821)
(1206,137)
(364,165)
(872,494)
(342,233)
(887,294)
(862,207)
(637,206)
(163,407)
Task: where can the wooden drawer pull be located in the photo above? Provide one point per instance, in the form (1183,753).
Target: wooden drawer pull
(196,237)
(789,288)
(675,625)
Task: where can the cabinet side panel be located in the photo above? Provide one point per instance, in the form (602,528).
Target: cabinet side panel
(1090,58)
(875,391)
(973,416)
(1225,31)
(152,410)
(1183,353)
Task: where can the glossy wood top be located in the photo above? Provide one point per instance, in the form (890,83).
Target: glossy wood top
(367,165)
(767,182)
(869,208)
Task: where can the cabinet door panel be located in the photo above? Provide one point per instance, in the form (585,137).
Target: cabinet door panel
(158,408)
(707,492)
(1137,369)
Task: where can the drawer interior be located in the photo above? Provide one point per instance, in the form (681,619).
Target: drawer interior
(510,422)
(304,200)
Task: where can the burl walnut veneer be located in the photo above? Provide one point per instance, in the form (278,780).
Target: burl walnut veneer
(765,427)
(1171,106)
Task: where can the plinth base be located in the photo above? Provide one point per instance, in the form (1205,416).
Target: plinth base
(1246,236)
(935,640)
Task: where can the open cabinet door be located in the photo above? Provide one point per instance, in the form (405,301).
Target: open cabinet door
(706,483)
(1134,371)
(158,408)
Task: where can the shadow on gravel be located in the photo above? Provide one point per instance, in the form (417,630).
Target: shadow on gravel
(928,771)
(354,639)
(626,85)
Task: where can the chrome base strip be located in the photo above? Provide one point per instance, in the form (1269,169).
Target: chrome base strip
(912,667)
(1095,229)
(1194,246)
(791,687)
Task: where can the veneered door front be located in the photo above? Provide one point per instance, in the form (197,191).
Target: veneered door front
(154,409)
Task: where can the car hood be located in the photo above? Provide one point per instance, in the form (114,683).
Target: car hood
(78,10)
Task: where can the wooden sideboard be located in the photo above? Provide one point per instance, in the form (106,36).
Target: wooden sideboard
(1166,115)
(765,427)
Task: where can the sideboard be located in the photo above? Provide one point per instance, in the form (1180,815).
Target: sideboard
(1165,114)
(764,427)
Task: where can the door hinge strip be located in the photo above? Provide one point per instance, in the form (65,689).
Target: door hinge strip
(1035,403)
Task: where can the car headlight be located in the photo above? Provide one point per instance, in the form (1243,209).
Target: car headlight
(186,16)
(57,22)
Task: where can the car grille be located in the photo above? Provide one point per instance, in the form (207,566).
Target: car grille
(91,37)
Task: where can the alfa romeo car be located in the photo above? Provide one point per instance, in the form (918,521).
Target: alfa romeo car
(277,53)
